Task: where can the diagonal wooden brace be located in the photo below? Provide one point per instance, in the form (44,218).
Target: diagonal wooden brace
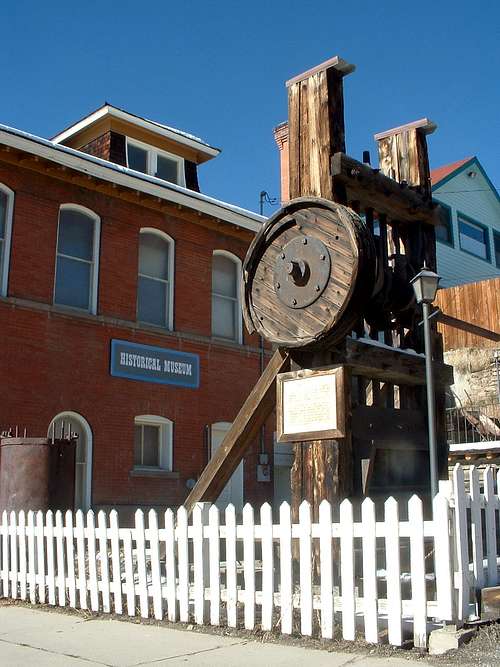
(253,414)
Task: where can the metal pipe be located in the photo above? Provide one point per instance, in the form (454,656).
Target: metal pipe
(431,404)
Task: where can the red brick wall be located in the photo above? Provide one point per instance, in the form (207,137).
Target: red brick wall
(52,361)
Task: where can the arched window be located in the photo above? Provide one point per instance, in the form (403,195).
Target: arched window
(155,282)
(6,209)
(83,458)
(226,306)
(77,258)
(153,442)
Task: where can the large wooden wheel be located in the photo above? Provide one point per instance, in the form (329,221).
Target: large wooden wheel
(308,274)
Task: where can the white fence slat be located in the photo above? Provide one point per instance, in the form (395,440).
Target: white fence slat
(104,561)
(369,571)
(326,569)
(286,590)
(443,557)
(183,560)
(393,570)
(80,559)
(249,565)
(70,557)
(417,570)
(199,563)
(92,561)
(5,555)
(13,554)
(23,568)
(116,570)
(129,572)
(214,559)
(51,580)
(140,550)
(154,545)
(476,528)
(231,589)
(60,564)
(31,557)
(491,529)
(170,572)
(347,570)
(305,568)
(266,522)
(40,557)
(461,541)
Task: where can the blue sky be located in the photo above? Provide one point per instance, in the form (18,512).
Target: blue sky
(217,69)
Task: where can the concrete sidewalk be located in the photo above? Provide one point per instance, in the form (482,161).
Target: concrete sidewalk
(42,638)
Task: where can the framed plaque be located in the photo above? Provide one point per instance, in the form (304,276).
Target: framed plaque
(310,404)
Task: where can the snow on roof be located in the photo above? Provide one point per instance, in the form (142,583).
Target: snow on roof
(117,173)
(154,126)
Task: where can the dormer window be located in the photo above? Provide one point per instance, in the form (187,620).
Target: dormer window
(155,162)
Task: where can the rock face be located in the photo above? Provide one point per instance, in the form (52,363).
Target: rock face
(475,375)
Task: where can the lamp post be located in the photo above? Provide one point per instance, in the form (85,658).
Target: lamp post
(425,286)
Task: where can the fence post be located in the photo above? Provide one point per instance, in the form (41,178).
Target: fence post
(104,560)
(22,554)
(200,561)
(231,588)
(92,562)
(476,528)
(417,570)
(70,557)
(40,557)
(154,546)
(5,555)
(266,523)
(393,572)
(80,555)
(183,555)
(170,565)
(31,557)
(491,528)
(13,555)
(61,567)
(249,565)
(214,558)
(114,536)
(286,590)
(443,557)
(369,570)
(347,570)
(462,548)
(326,568)
(140,549)
(51,585)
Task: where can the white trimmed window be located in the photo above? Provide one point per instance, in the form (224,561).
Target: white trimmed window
(155,162)
(153,438)
(155,284)
(226,306)
(6,209)
(77,258)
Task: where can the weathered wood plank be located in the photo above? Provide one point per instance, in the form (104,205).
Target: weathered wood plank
(240,436)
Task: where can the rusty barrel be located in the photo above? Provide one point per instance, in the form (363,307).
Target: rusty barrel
(308,274)
(36,474)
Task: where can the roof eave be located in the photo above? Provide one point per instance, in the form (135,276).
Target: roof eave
(109,110)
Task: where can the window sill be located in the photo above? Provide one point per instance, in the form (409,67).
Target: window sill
(145,472)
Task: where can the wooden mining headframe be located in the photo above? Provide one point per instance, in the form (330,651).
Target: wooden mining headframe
(327,281)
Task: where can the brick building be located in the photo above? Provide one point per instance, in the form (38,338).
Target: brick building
(120,307)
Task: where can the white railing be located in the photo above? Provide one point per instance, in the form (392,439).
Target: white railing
(349,576)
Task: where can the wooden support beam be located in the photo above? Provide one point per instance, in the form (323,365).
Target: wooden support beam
(389,365)
(474,329)
(256,409)
(383,194)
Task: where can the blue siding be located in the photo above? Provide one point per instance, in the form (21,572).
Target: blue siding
(475,199)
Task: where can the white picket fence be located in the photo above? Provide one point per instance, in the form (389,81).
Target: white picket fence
(379,579)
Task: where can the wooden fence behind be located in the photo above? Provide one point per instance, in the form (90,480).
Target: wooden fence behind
(475,303)
(387,580)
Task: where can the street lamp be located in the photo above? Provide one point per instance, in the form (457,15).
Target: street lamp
(425,286)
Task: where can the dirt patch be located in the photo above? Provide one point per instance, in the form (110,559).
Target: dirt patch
(482,651)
